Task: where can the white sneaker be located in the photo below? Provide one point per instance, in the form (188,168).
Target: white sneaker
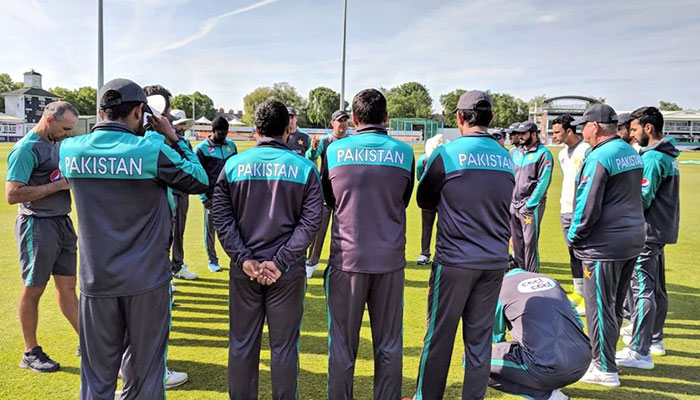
(423,260)
(657,348)
(310,270)
(558,395)
(183,273)
(173,287)
(174,379)
(627,330)
(598,377)
(581,309)
(632,359)
(118,395)
(627,339)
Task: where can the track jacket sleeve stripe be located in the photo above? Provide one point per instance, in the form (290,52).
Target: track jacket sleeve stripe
(431,181)
(309,224)
(652,178)
(588,200)
(499,325)
(184,174)
(544,171)
(225,223)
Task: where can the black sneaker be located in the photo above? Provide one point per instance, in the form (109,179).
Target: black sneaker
(38,361)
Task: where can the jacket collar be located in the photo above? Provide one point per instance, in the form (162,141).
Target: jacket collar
(371,128)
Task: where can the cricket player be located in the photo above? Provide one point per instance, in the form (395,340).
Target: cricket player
(182,204)
(427,215)
(46,239)
(212,154)
(469,181)
(623,131)
(298,141)
(368,181)
(267,254)
(513,137)
(549,349)
(660,199)
(570,160)
(607,233)
(533,174)
(339,122)
(119,179)
(500,135)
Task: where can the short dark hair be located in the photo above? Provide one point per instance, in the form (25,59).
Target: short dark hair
(369,107)
(120,110)
(56,109)
(565,121)
(649,115)
(271,118)
(477,117)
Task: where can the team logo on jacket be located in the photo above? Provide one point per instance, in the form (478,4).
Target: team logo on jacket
(539,284)
(211,149)
(547,164)
(228,149)
(645,183)
(584,181)
(55,175)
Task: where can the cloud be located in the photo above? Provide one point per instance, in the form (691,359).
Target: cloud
(206,27)
(547,18)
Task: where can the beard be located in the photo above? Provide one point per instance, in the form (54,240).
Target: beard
(645,140)
(528,142)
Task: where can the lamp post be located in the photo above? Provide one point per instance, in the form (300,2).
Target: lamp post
(342,78)
(100,54)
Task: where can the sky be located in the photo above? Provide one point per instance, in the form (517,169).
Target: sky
(631,52)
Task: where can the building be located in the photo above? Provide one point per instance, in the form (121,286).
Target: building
(11,128)
(551,108)
(28,103)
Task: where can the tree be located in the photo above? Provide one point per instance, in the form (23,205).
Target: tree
(321,105)
(281,91)
(537,101)
(203,105)
(449,102)
(409,100)
(507,110)
(84,99)
(252,100)
(7,85)
(668,106)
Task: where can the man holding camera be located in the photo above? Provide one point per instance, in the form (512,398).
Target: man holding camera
(119,180)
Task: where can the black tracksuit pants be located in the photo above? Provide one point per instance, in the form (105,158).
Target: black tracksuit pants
(466,294)
(250,303)
(346,296)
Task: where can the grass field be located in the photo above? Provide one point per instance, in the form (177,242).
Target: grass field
(198,343)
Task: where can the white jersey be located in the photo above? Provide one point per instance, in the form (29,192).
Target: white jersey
(570,160)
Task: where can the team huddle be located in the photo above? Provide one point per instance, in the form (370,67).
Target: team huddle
(131,178)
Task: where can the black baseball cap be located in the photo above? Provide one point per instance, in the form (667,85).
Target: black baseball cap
(127,90)
(338,114)
(624,119)
(498,133)
(472,99)
(598,112)
(292,111)
(510,130)
(527,126)
(219,124)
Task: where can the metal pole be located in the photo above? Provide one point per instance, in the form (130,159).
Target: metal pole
(193,117)
(100,54)
(342,78)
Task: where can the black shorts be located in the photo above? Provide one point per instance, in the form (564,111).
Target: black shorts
(47,246)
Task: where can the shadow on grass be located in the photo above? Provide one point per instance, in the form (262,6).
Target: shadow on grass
(213,320)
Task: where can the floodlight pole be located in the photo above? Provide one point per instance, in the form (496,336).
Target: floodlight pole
(100,54)
(342,78)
